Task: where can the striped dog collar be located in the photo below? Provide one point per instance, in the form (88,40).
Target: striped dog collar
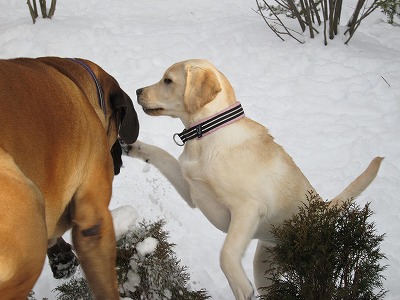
(210,124)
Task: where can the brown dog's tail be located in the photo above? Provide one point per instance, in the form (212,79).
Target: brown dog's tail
(359,184)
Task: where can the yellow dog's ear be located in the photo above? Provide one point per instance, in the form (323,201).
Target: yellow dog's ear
(202,86)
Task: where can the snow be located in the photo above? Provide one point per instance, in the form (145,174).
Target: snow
(124,218)
(133,280)
(332,108)
(147,246)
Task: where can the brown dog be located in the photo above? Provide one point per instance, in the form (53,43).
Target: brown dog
(59,118)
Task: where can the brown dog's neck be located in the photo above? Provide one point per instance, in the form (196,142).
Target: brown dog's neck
(100,95)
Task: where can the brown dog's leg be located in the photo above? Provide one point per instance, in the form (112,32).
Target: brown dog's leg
(93,237)
(23,234)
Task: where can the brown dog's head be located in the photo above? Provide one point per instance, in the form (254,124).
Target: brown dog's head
(185,89)
(120,118)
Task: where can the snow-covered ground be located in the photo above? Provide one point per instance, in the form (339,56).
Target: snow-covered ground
(332,108)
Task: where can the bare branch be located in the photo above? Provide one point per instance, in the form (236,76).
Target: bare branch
(312,13)
(32,10)
(281,23)
(336,15)
(43,8)
(52,8)
(385,81)
(265,19)
(325,15)
(356,23)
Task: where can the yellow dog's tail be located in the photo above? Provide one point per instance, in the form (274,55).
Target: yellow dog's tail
(359,184)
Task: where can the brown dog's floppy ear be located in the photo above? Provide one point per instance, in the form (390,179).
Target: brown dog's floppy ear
(202,86)
(127,120)
(116,153)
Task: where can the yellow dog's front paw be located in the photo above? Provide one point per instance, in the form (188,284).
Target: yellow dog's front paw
(137,150)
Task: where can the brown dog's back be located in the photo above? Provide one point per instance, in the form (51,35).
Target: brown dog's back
(42,128)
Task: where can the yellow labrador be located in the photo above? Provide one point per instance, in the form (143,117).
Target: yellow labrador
(230,167)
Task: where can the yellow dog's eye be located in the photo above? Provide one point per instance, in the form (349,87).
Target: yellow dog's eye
(167,81)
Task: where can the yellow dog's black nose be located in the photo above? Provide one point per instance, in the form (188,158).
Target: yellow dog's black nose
(138,92)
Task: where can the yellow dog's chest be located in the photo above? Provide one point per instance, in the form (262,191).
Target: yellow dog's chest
(204,195)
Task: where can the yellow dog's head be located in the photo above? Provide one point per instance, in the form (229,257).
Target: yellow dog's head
(185,88)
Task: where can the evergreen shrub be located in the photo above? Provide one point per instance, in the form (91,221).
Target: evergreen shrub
(326,253)
(390,8)
(148,275)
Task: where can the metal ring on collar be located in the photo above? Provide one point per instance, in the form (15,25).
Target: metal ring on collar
(181,143)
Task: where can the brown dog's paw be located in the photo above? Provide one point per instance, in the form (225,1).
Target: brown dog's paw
(63,261)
